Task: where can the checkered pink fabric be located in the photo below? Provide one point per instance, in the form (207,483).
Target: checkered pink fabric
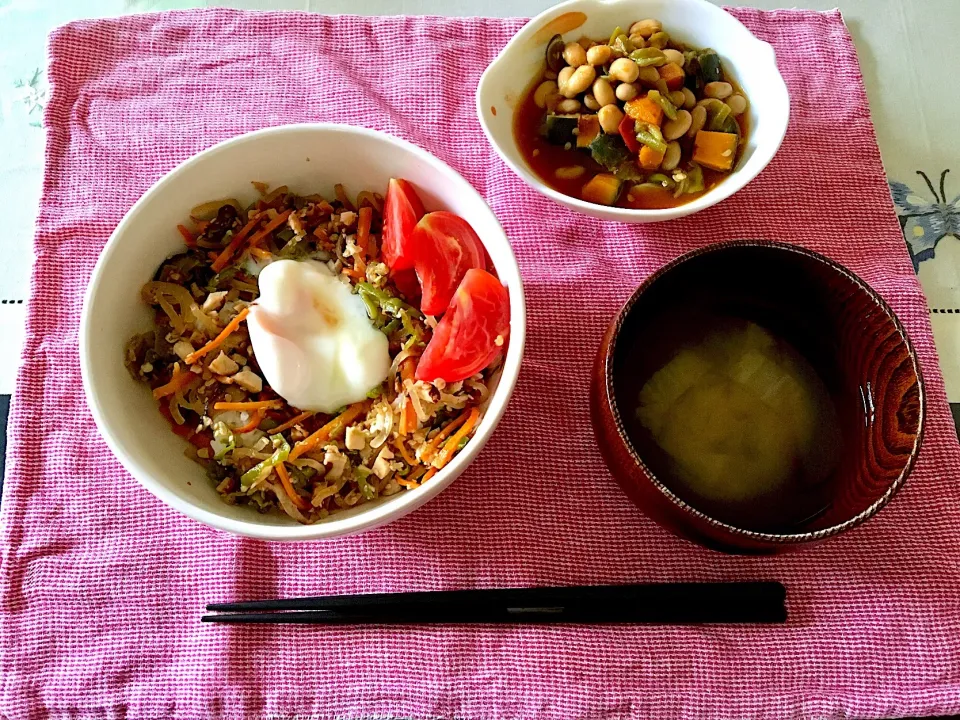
(102,586)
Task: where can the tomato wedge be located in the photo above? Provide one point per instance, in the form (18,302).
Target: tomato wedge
(407,283)
(472,332)
(445,248)
(401,212)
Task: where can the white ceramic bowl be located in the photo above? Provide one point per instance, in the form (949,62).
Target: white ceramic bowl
(696,22)
(308,158)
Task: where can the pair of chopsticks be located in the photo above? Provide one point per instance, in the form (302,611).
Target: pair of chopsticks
(668,603)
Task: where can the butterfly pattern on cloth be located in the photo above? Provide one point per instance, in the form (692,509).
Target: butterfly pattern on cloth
(925,223)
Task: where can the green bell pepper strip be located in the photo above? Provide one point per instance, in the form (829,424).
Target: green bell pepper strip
(279,455)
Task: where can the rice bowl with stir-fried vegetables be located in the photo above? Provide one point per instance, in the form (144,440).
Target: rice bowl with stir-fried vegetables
(323,303)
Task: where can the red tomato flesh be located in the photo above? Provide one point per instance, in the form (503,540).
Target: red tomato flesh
(445,248)
(401,211)
(472,332)
(407,283)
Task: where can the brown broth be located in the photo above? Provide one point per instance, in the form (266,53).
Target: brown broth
(544,158)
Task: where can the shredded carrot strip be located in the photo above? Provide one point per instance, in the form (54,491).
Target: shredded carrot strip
(450,449)
(300,502)
(270,227)
(224,258)
(363,238)
(179,381)
(251,405)
(219,339)
(431,447)
(187,236)
(408,418)
(355,273)
(261,253)
(329,430)
(408,415)
(363,229)
(411,481)
(291,422)
(430,474)
(405,454)
(255,419)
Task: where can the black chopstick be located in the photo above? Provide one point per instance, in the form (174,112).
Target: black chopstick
(667,603)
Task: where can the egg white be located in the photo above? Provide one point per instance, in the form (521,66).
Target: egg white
(312,337)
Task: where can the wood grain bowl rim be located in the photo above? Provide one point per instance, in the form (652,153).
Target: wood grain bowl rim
(778,538)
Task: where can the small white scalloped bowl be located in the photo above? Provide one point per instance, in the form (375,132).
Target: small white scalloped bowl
(751,62)
(307,158)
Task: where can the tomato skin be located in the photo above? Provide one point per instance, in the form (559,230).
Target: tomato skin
(402,211)
(445,247)
(465,340)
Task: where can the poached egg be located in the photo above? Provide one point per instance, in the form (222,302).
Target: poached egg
(312,337)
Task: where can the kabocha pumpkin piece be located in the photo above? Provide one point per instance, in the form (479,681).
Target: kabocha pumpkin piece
(603,189)
(645,110)
(650,159)
(588,129)
(715,150)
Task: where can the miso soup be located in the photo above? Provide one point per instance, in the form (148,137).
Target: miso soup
(736,422)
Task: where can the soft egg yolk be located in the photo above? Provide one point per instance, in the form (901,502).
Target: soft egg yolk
(313,339)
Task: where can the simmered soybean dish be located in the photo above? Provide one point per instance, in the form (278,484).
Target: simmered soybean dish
(319,354)
(637,120)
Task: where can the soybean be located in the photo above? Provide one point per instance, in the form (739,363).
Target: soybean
(718,90)
(603,92)
(689,99)
(737,103)
(646,28)
(674,129)
(591,102)
(569,105)
(574,54)
(674,56)
(579,81)
(610,118)
(624,70)
(648,75)
(626,91)
(544,90)
(599,54)
(698,117)
(671,158)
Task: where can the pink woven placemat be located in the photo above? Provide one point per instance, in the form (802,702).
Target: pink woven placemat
(101,586)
